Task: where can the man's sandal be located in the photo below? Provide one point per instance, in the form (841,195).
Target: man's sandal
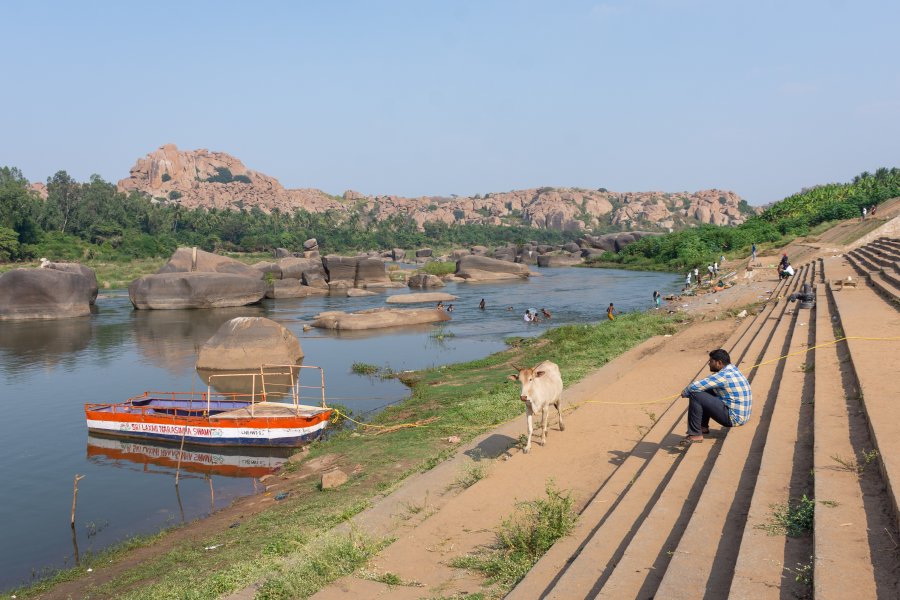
(690,439)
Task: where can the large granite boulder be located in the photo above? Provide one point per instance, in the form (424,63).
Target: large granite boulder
(292,288)
(247,343)
(77,269)
(282,253)
(294,268)
(340,270)
(44,294)
(424,280)
(423,253)
(398,254)
(194,290)
(421,298)
(268,267)
(506,253)
(480,250)
(482,268)
(311,244)
(614,242)
(370,272)
(557,260)
(571,247)
(187,260)
(378,318)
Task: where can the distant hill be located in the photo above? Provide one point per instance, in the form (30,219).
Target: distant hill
(201,178)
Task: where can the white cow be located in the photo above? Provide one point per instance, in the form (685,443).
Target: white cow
(541,388)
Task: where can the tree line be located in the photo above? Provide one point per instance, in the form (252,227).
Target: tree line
(85,220)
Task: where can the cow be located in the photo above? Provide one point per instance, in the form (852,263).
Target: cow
(541,388)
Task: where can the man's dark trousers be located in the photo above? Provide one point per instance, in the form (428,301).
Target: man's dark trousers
(701,407)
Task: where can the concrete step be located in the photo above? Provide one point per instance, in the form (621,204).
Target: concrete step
(863,314)
(886,285)
(861,263)
(885,250)
(890,243)
(892,276)
(703,562)
(640,475)
(783,474)
(840,539)
(876,257)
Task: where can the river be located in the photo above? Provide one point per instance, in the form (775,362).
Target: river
(49,369)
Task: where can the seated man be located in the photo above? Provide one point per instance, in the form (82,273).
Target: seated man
(724,396)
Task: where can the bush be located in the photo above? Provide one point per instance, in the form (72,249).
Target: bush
(166,177)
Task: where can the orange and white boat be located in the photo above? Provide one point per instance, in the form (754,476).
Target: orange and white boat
(244,418)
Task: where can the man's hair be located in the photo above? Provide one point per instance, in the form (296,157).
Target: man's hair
(721,356)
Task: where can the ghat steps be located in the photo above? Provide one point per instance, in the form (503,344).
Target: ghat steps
(697,523)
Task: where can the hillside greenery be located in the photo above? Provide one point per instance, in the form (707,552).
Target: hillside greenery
(784,220)
(93,220)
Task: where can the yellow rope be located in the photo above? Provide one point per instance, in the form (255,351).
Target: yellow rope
(425,422)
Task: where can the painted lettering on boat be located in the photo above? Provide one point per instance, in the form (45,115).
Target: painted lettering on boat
(172,429)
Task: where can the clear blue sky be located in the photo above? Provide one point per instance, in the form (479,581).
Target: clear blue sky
(464,97)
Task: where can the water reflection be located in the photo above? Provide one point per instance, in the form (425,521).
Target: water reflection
(48,343)
(171,339)
(149,457)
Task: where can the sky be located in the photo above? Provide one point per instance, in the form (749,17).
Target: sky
(460,97)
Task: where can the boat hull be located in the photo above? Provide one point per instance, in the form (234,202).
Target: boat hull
(209,431)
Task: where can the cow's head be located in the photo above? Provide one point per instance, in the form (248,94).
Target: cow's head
(527,378)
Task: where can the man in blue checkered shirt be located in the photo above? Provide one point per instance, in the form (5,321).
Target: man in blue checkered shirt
(724,397)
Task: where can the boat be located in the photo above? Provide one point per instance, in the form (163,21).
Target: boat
(215,418)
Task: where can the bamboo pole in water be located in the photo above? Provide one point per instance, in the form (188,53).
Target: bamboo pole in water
(75,496)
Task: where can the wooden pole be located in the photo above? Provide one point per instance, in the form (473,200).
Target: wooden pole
(180,452)
(75,497)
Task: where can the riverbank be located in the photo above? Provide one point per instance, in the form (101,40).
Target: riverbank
(255,535)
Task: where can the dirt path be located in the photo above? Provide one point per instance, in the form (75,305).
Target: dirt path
(597,438)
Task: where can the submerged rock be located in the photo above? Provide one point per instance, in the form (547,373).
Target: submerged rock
(377,318)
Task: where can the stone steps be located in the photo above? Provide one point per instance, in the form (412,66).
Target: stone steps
(607,523)
(706,555)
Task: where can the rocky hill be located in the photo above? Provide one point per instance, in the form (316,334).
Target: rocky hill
(200,178)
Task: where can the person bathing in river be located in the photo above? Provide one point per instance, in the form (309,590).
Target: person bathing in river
(481,304)
(449,308)
(657,298)
(611,312)
(725,397)
(440,305)
(546,314)
(528,318)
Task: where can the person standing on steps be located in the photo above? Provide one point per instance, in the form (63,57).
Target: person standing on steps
(611,312)
(725,397)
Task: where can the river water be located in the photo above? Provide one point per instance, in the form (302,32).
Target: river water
(48,370)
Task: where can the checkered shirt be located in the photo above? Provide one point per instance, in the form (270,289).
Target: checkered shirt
(732,387)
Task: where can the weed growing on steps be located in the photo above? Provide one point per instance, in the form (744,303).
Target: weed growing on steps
(856,466)
(389,578)
(792,519)
(803,572)
(523,538)
(471,474)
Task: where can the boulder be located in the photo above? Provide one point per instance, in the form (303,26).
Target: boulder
(332,479)
(378,318)
(268,267)
(194,290)
(188,260)
(571,247)
(458,254)
(398,254)
(423,297)
(557,260)
(314,279)
(370,272)
(358,293)
(423,253)
(482,268)
(294,268)
(247,343)
(311,254)
(77,269)
(282,253)
(44,294)
(528,257)
(340,269)
(480,250)
(292,288)
(424,280)
(506,253)
(311,244)
(544,249)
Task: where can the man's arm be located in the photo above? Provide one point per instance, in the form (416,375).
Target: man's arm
(716,380)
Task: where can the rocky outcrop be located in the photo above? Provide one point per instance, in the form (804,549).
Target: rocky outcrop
(481,268)
(295,268)
(270,269)
(557,260)
(354,271)
(424,280)
(247,343)
(378,318)
(194,260)
(293,288)
(194,290)
(77,269)
(44,294)
(201,178)
(614,242)
(420,298)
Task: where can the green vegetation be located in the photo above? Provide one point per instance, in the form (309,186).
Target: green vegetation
(468,399)
(780,222)
(792,519)
(361,368)
(84,221)
(523,538)
(439,268)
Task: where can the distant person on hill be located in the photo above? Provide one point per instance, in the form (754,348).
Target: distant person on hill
(725,397)
(784,261)
(872,211)
(697,275)
(611,312)
(715,268)
(711,271)
(657,298)
(687,280)
(863,213)
(753,252)
(786,272)
(481,304)
(546,314)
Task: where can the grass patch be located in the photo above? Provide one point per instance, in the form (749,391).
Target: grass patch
(439,268)
(792,519)
(856,466)
(523,538)
(469,399)
(471,474)
(361,368)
